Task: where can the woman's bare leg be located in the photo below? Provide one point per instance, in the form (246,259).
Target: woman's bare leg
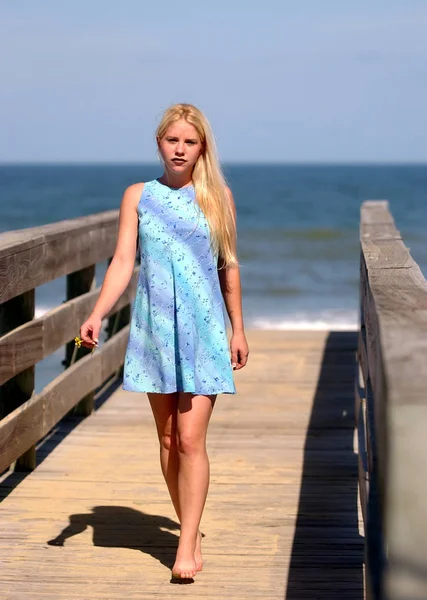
(165,409)
(165,412)
(194,412)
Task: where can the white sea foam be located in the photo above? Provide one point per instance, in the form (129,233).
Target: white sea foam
(303,325)
(41,310)
(324,320)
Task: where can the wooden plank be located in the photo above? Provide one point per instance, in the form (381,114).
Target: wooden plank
(12,242)
(39,254)
(80,282)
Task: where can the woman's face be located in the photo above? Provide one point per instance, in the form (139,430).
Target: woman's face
(180,147)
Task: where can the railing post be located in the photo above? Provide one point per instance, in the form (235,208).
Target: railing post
(18,389)
(79,283)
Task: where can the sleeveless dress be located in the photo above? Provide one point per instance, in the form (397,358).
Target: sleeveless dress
(177,338)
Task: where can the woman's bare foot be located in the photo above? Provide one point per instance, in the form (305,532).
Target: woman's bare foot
(185,564)
(198,552)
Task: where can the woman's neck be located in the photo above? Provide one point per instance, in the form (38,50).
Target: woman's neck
(175,180)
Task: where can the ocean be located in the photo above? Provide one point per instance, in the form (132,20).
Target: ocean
(298,231)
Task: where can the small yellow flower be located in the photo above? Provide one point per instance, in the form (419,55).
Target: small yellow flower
(78,342)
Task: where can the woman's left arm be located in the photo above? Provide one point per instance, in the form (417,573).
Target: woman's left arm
(229,279)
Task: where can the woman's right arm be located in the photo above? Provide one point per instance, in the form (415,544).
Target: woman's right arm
(121,267)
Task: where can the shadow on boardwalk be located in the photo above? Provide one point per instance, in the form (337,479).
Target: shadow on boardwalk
(327,551)
(113,526)
(124,527)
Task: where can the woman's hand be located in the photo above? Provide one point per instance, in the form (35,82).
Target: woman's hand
(239,350)
(89,331)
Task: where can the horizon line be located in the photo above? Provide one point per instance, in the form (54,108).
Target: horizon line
(224,163)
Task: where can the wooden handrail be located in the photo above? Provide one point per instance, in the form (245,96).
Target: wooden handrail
(29,258)
(37,255)
(391,409)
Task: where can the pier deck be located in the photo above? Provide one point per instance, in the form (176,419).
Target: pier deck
(282,519)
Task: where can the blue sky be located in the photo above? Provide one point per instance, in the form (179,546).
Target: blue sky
(280,81)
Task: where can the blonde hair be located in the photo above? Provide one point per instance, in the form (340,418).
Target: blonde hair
(209,183)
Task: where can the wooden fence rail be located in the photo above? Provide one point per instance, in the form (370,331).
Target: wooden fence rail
(391,410)
(29,258)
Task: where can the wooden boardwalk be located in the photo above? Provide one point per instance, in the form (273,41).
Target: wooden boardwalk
(282,520)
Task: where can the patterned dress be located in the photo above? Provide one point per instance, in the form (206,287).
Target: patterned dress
(177,339)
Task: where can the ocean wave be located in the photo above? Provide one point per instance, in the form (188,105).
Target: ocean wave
(276,291)
(280,234)
(318,234)
(40,310)
(319,321)
(291,325)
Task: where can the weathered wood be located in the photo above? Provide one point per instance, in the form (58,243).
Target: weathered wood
(35,340)
(360,417)
(35,418)
(78,283)
(18,389)
(33,256)
(393,357)
(281,519)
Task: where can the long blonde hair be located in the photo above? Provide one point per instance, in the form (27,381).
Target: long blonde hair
(209,183)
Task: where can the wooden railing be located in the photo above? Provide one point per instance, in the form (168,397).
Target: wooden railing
(29,258)
(391,410)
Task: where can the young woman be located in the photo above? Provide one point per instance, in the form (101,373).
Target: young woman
(178,351)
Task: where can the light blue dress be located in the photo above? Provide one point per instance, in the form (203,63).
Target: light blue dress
(178,338)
